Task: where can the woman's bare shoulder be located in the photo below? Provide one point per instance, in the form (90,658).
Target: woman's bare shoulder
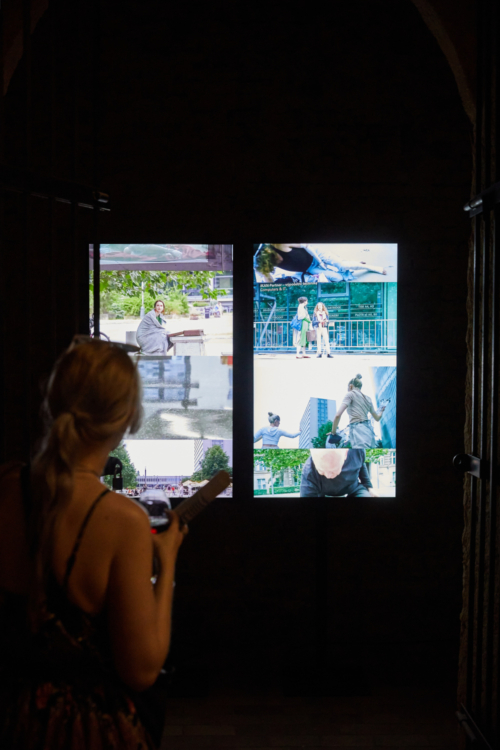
(127,511)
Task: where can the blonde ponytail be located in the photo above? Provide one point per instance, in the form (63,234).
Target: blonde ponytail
(93,394)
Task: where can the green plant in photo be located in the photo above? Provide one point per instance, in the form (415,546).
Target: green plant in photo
(214,460)
(279,460)
(320,441)
(373,455)
(122,292)
(176,303)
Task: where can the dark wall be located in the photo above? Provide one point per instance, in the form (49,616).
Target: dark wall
(238,122)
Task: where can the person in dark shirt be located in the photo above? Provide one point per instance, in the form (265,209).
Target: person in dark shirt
(336,473)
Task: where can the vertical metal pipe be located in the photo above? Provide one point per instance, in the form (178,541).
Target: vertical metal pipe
(495,400)
(469,696)
(473,480)
(492,516)
(483,452)
(490,666)
(96,175)
(73,9)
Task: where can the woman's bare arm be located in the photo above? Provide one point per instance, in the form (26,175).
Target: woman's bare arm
(139,615)
(336,421)
(377,416)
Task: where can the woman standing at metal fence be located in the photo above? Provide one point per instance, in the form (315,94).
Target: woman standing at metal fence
(300,335)
(320,324)
(358,406)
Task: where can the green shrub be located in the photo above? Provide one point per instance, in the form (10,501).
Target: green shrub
(119,304)
(176,303)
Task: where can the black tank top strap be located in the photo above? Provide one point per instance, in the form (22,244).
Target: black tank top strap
(72,557)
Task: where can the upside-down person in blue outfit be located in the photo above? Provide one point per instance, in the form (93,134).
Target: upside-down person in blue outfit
(271,435)
(272,261)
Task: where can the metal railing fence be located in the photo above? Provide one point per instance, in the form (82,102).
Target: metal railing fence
(380,335)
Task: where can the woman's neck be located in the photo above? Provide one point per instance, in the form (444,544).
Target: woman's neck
(93,460)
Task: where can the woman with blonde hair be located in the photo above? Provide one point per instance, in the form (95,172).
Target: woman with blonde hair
(320,325)
(82,626)
(358,406)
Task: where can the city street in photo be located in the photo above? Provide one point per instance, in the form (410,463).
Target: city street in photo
(178,467)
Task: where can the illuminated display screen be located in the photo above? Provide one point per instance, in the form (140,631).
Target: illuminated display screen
(325,345)
(176,303)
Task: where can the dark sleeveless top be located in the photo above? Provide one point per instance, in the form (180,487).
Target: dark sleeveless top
(297,260)
(59,687)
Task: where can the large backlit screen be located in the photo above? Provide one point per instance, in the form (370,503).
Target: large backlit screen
(325,345)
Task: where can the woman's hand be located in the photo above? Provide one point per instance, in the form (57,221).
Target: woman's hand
(169,541)
(372,492)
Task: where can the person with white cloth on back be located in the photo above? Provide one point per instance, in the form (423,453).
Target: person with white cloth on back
(152,335)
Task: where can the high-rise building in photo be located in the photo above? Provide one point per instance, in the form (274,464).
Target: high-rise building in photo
(202,446)
(384,380)
(317,412)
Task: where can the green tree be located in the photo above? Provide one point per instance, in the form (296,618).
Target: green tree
(215,460)
(320,441)
(131,283)
(373,455)
(129,472)
(176,302)
(280,460)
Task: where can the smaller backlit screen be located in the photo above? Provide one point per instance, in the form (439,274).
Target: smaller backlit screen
(180,316)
